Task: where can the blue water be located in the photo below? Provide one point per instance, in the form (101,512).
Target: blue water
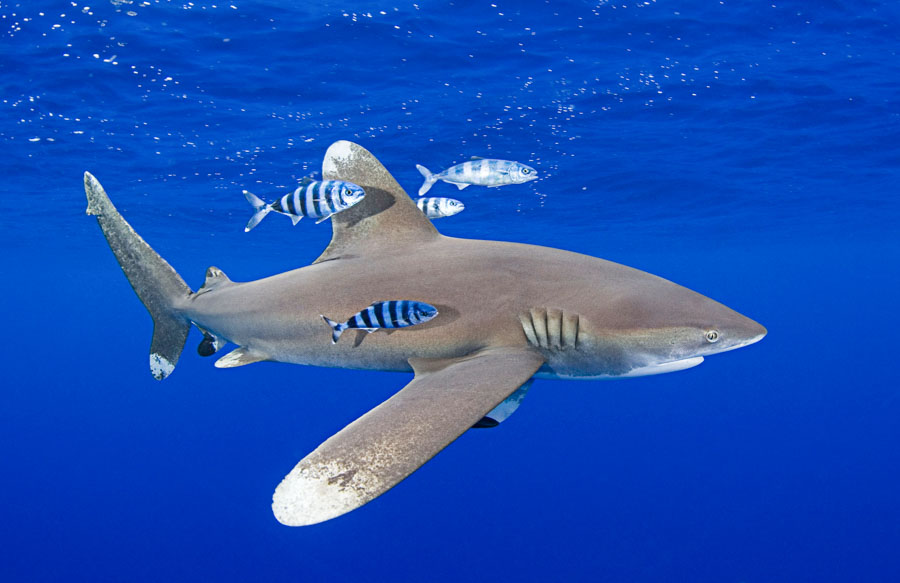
(748,150)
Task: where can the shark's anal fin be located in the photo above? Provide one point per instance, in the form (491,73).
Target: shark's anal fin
(240,357)
(385,219)
(210,343)
(384,446)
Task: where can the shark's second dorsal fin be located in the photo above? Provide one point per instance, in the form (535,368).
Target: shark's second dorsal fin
(215,278)
(385,218)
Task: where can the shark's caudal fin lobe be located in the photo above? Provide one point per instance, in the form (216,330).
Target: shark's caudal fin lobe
(385,219)
(158,286)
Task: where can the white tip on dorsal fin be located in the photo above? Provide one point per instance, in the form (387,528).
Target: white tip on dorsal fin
(385,218)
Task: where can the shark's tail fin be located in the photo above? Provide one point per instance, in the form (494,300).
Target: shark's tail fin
(336,328)
(430,179)
(154,280)
(261,208)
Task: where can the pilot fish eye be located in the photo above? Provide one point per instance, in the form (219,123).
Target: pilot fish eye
(712,336)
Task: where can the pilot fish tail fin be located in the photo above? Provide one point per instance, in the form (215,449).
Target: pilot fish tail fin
(261,210)
(156,283)
(337,328)
(430,179)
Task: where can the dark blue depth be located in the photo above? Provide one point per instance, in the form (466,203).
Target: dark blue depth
(745,150)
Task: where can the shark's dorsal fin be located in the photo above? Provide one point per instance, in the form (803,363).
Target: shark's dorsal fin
(385,218)
(215,278)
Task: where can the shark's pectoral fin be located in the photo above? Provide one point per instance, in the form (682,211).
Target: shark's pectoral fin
(381,448)
(507,407)
(384,220)
(240,357)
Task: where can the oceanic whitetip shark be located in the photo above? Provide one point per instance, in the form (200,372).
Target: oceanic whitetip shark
(507,312)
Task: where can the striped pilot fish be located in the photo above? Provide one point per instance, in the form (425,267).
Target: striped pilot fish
(387,315)
(480,171)
(436,207)
(314,198)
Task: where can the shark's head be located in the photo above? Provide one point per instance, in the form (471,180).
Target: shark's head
(521,173)
(665,327)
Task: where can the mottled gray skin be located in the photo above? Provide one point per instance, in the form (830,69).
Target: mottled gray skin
(627,318)
(507,312)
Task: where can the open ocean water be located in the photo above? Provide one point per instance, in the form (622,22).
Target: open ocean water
(747,150)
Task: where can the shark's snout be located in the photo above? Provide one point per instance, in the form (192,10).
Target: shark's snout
(742,333)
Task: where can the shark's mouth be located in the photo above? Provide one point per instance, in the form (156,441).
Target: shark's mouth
(663,367)
(641,371)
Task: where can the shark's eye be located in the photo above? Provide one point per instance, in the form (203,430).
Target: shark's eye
(712,336)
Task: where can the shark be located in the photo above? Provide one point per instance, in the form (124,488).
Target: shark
(507,313)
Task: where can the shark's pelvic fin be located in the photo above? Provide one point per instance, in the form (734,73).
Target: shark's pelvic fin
(385,219)
(158,286)
(384,446)
(240,357)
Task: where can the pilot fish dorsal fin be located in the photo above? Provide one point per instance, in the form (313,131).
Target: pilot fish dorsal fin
(386,218)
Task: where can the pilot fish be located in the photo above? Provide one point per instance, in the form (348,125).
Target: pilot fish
(314,199)
(390,314)
(480,171)
(436,207)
